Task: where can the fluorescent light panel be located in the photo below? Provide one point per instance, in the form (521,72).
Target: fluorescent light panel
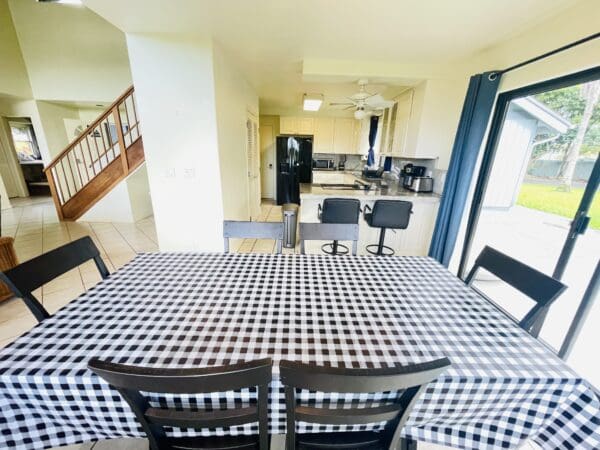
(312,102)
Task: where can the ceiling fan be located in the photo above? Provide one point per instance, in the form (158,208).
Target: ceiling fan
(364,102)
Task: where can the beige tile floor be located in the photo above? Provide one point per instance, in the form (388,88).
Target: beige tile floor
(35,226)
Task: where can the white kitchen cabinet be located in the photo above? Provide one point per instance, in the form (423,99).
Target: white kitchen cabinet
(305,125)
(385,127)
(403,109)
(287,125)
(296,125)
(343,136)
(323,136)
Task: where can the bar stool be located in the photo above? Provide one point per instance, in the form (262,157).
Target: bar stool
(338,210)
(394,214)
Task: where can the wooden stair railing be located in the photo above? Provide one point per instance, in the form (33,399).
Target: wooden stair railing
(103,155)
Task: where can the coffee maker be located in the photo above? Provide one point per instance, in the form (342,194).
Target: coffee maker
(410,172)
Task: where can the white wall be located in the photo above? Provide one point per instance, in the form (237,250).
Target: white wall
(70,52)
(52,119)
(138,188)
(113,207)
(129,201)
(176,106)
(13,74)
(234,99)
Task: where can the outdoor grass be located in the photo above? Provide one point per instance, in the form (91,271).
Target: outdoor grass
(549,199)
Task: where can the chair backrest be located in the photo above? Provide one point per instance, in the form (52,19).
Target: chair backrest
(393,214)
(130,381)
(30,275)
(541,288)
(409,381)
(327,232)
(253,230)
(340,210)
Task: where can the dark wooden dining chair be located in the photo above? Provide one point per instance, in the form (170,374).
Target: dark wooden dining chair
(130,380)
(253,230)
(410,381)
(329,232)
(30,275)
(539,287)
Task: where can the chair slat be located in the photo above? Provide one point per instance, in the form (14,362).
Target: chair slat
(202,419)
(327,232)
(252,230)
(345,416)
(182,381)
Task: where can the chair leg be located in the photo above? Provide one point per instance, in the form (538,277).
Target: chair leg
(407,444)
(335,246)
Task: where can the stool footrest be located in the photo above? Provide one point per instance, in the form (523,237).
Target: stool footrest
(341,249)
(390,250)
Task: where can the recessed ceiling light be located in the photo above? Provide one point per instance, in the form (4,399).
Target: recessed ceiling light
(64,2)
(312,102)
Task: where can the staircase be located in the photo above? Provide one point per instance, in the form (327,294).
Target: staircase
(103,155)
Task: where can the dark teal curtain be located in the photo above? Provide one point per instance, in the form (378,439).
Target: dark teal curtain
(372,137)
(478,106)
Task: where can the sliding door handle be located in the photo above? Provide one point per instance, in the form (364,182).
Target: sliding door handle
(582,224)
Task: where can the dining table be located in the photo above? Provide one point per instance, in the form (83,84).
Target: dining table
(189,309)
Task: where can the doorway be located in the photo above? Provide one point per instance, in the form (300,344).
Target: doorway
(537,200)
(29,157)
(267,161)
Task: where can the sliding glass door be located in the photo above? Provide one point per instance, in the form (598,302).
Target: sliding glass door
(537,200)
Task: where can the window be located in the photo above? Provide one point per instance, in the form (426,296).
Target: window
(25,142)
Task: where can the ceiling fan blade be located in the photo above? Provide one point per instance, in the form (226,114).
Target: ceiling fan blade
(341,104)
(349,107)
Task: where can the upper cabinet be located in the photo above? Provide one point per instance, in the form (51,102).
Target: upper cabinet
(323,140)
(398,122)
(331,134)
(401,117)
(296,125)
(343,136)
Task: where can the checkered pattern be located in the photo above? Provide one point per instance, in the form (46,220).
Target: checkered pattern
(190,310)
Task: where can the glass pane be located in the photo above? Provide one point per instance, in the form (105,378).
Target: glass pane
(544,158)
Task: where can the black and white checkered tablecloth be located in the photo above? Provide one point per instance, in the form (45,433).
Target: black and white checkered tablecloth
(188,310)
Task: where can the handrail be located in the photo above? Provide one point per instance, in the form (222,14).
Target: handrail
(86,158)
(91,126)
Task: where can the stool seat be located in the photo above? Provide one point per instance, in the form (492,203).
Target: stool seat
(393,214)
(338,210)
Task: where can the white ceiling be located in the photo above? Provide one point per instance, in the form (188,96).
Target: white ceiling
(269,39)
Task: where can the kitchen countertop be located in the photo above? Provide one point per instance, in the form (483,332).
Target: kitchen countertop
(393,192)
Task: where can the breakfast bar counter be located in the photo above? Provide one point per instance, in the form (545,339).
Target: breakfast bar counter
(413,241)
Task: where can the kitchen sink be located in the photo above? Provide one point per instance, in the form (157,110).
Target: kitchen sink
(357,186)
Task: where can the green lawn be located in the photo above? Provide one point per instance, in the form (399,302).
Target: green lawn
(550,199)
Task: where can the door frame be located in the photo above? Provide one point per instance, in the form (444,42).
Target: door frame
(489,153)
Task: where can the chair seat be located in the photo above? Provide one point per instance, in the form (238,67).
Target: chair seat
(345,440)
(210,443)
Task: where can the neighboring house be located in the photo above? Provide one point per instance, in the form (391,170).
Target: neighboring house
(527,120)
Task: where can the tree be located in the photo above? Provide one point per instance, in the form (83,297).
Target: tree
(569,103)
(591,94)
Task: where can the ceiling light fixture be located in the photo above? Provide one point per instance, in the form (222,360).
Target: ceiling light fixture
(64,2)
(312,102)
(360,114)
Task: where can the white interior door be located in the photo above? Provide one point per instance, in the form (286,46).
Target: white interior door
(253,167)
(267,161)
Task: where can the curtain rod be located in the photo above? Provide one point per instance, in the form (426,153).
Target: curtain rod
(550,53)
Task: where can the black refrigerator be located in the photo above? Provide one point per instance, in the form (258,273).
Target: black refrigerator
(294,166)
